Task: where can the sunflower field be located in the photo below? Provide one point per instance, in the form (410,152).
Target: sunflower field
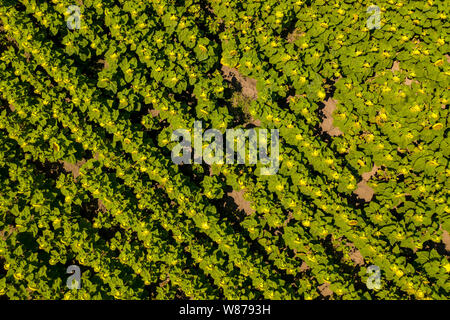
(92,90)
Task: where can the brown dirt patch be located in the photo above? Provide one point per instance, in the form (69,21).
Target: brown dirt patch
(289,98)
(27,56)
(4,234)
(327,124)
(395,66)
(73,168)
(242,204)
(366,176)
(153,112)
(289,218)
(325,290)
(294,35)
(304,267)
(10,39)
(446,239)
(408,82)
(165,282)
(246,85)
(355,255)
(101,206)
(255,122)
(363,190)
(104,62)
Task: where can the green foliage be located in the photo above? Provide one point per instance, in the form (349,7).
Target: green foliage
(106,98)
